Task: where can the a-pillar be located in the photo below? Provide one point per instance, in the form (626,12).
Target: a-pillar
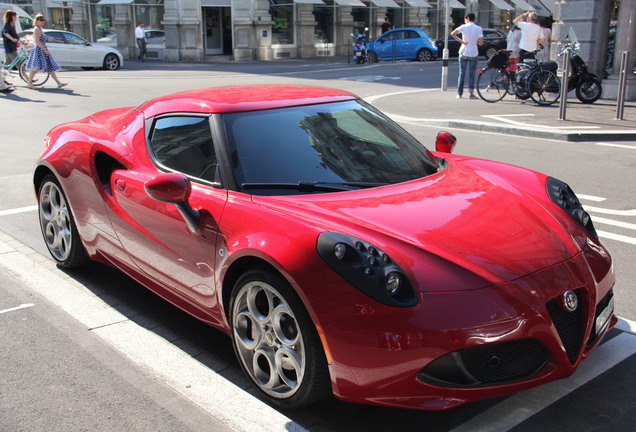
(625,41)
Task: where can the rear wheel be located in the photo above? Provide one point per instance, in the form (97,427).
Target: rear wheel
(424,55)
(589,91)
(111,62)
(58,227)
(544,87)
(39,79)
(490,51)
(276,341)
(492,84)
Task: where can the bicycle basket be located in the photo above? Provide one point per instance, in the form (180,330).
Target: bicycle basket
(499,60)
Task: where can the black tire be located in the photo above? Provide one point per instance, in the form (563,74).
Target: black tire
(270,327)
(38,80)
(589,90)
(543,86)
(492,84)
(58,226)
(111,62)
(490,51)
(372,57)
(424,55)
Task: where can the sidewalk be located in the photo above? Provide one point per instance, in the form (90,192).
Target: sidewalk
(583,122)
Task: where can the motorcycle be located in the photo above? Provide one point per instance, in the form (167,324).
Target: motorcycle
(587,85)
(360,47)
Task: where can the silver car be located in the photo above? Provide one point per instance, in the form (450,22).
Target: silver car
(71,50)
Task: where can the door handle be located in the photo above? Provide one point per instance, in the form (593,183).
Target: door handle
(121,184)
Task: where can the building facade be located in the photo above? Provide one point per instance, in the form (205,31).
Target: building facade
(199,30)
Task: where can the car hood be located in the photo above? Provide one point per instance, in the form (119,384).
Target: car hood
(462,214)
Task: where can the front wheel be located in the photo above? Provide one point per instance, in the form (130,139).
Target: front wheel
(492,84)
(276,341)
(58,227)
(589,90)
(424,55)
(38,79)
(372,57)
(111,62)
(544,87)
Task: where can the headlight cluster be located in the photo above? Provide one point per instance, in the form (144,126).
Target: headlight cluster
(367,268)
(561,194)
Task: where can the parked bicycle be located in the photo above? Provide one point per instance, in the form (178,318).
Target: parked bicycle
(533,79)
(19,65)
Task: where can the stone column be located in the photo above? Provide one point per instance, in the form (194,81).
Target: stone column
(625,41)
(417,18)
(252,30)
(305,29)
(125,28)
(343,30)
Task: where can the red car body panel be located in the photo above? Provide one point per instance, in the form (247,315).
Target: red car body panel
(482,243)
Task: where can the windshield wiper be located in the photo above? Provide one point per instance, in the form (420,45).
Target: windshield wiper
(313,186)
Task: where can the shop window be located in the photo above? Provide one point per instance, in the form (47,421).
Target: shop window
(323,32)
(282,13)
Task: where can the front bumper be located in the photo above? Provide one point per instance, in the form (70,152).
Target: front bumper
(457,347)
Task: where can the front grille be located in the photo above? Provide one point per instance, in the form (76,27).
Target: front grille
(487,364)
(569,325)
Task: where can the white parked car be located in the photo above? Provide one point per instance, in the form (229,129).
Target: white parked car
(71,50)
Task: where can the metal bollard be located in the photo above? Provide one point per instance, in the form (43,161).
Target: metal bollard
(564,85)
(622,86)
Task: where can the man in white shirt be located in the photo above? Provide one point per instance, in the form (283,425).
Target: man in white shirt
(531,34)
(140,35)
(472,35)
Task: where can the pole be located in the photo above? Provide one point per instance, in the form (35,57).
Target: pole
(564,84)
(622,85)
(445,50)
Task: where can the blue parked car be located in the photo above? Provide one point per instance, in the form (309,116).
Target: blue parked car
(402,44)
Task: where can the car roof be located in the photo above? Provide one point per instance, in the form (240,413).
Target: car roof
(237,98)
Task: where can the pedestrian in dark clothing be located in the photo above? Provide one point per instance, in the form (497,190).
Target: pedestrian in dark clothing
(386,25)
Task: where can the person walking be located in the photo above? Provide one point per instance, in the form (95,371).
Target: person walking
(386,25)
(531,34)
(140,35)
(40,59)
(9,38)
(472,36)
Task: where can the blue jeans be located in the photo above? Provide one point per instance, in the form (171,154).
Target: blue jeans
(470,64)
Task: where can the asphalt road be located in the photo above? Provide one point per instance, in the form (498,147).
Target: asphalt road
(57,366)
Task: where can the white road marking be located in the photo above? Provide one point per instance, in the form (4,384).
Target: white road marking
(631,212)
(617,237)
(617,145)
(371,99)
(370,78)
(18,210)
(591,198)
(518,408)
(221,398)
(503,118)
(22,306)
(612,222)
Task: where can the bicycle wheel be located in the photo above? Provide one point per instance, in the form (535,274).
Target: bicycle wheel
(544,87)
(492,84)
(39,79)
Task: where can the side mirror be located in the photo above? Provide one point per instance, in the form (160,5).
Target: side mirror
(174,188)
(445,142)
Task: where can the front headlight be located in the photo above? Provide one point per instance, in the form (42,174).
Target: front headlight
(561,194)
(367,268)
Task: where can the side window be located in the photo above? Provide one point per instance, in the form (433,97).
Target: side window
(74,39)
(54,37)
(410,34)
(184,144)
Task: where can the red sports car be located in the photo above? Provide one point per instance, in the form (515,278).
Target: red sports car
(339,254)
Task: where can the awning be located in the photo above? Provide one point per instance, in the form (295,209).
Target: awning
(454,4)
(418,3)
(385,3)
(350,3)
(309,1)
(502,5)
(521,4)
(114,2)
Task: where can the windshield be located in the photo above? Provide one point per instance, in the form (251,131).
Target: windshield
(318,148)
(572,36)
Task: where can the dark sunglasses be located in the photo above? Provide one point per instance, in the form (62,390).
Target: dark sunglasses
(41,19)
